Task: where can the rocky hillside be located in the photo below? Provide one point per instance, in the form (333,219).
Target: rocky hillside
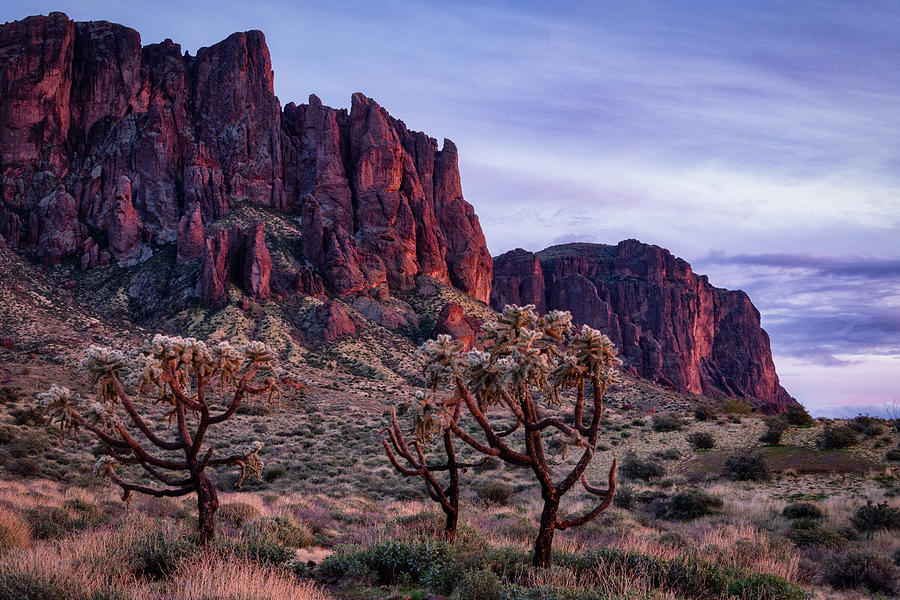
(671,324)
(110,150)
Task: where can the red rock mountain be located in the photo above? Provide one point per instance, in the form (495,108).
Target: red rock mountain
(112,152)
(110,149)
(671,324)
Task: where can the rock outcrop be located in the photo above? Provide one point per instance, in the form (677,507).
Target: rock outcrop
(239,256)
(154,145)
(671,325)
(453,321)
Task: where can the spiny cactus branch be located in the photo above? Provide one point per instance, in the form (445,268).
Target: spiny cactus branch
(607,494)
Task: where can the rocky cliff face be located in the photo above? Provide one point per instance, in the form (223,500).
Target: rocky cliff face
(671,324)
(110,150)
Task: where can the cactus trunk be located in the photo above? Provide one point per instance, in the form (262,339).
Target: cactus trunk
(207,504)
(544,541)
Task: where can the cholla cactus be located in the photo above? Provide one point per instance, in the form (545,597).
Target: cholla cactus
(186,374)
(526,362)
(430,416)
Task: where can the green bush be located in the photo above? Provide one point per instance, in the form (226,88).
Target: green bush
(866,426)
(705,412)
(157,554)
(482,584)
(285,530)
(802,510)
(667,422)
(836,437)
(87,513)
(796,415)
(736,406)
(624,497)
(774,430)
(689,504)
(872,517)
(495,492)
(633,467)
(26,586)
(893,454)
(701,440)
(389,562)
(806,533)
(744,466)
(667,454)
(51,522)
(263,549)
(861,570)
(760,586)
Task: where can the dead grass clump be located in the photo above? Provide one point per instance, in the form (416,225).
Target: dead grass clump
(14,531)
(237,514)
(236,580)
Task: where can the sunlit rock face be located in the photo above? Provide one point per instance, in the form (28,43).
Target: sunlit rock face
(112,149)
(671,325)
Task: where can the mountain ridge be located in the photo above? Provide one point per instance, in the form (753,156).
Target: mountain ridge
(182,179)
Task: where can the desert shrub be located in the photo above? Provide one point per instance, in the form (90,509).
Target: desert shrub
(701,440)
(733,418)
(690,504)
(28,586)
(866,426)
(14,531)
(802,510)
(237,514)
(505,561)
(87,513)
(835,437)
(51,522)
(872,517)
(667,422)
(667,454)
(688,577)
(857,569)
(482,584)
(28,416)
(262,549)
(806,533)
(495,492)
(624,497)
(285,530)
(761,586)
(774,430)
(896,556)
(27,466)
(273,473)
(638,422)
(892,454)
(388,562)
(158,553)
(796,415)
(744,466)
(633,467)
(705,412)
(736,406)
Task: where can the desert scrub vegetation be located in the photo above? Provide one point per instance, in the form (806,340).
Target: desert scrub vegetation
(701,440)
(837,437)
(526,365)
(187,375)
(746,466)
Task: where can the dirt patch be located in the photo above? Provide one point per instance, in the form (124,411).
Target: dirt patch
(782,458)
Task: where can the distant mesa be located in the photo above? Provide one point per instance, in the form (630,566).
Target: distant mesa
(672,326)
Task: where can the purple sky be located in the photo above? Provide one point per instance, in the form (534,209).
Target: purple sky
(758,140)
